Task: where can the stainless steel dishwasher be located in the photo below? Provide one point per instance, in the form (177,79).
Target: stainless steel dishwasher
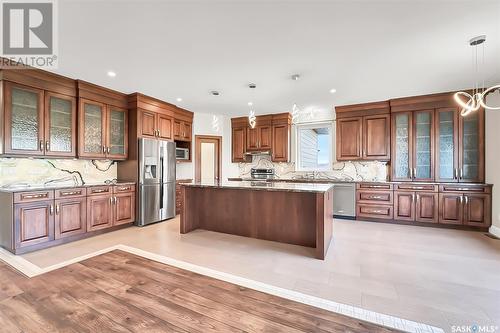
(344,200)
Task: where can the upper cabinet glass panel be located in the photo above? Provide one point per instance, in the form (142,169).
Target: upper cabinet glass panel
(423,158)
(402,153)
(446,148)
(117,132)
(93,131)
(25,122)
(470,147)
(61,125)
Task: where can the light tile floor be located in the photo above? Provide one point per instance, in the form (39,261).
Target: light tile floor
(436,276)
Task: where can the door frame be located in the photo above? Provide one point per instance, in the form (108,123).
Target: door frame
(197,159)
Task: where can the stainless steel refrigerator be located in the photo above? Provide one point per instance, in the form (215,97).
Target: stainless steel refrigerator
(156,181)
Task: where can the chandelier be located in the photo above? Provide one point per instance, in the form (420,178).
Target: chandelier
(470,102)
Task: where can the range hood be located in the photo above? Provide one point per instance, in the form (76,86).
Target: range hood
(257,153)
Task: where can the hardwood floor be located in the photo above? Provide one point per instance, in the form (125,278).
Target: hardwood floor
(120,292)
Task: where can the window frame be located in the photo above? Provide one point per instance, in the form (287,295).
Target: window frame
(315,125)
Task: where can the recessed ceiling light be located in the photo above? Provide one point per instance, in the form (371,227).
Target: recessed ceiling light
(214,93)
(295,77)
(250,103)
(333,91)
(111,74)
(179,99)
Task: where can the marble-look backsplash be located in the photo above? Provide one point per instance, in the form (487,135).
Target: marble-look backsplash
(343,171)
(48,172)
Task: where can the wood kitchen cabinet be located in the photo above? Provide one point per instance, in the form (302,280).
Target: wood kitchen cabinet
(123,204)
(416,206)
(103,123)
(363,132)
(280,145)
(182,130)
(156,125)
(465,205)
(238,143)
(70,217)
(38,122)
(259,138)
(99,213)
(33,223)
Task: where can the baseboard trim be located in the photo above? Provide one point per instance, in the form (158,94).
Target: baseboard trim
(31,270)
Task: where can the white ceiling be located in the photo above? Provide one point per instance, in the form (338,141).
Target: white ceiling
(367,50)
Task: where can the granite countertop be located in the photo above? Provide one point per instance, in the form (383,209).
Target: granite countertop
(26,187)
(265,186)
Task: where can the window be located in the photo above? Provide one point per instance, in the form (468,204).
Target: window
(314,147)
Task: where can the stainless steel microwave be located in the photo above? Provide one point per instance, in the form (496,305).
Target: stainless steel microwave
(182,153)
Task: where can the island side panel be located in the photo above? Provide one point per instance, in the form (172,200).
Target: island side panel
(283,216)
(324,223)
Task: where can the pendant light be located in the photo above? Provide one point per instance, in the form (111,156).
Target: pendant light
(472,102)
(252,119)
(295,109)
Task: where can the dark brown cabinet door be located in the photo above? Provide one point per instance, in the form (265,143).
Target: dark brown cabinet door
(116,133)
(349,138)
(24,120)
(123,208)
(477,210)
(281,143)
(377,137)
(177,130)
(186,135)
(70,217)
(165,127)
(446,145)
(450,208)
(404,206)
(426,207)
(252,138)
(265,137)
(99,214)
(92,129)
(148,124)
(238,145)
(471,145)
(33,223)
(60,125)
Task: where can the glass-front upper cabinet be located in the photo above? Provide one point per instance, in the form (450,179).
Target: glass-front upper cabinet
(423,168)
(23,120)
(446,145)
(471,137)
(92,122)
(401,145)
(60,125)
(117,133)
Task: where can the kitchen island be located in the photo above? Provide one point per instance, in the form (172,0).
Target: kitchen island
(292,213)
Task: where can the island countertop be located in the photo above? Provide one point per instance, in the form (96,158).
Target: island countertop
(265,186)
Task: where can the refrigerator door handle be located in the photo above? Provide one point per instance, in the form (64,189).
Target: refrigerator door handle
(162,160)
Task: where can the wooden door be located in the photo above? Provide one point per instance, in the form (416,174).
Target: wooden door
(426,207)
(238,144)
(471,147)
(281,143)
(252,138)
(450,208)
(446,145)
(148,125)
(349,138)
(99,213)
(24,120)
(124,208)
(165,127)
(477,210)
(377,137)
(207,162)
(423,146)
(177,130)
(92,129)
(70,217)
(116,133)
(402,146)
(60,125)
(187,129)
(265,137)
(404,206)
(33,223)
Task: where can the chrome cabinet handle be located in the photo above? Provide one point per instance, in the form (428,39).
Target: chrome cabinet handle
(461,199)
(418,197)
(34,196)
(71,193)
(99,191)
(110,200)
(461,173)
(51,210)
(414,173)
(57,209)
(124,188)
(103,149)
(47,146)
(116,200)
(455,173)
(376,211)
(41,145)
(375,197)
(107,150)
(466,200)
(159,133)
(413,197)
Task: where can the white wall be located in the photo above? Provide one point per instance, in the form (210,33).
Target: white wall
(205,124)
(493,157)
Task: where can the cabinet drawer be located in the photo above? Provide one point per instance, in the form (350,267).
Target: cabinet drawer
(374,197)
(98,190)
(31,196)
(124,188)
(417,187)
(465,188)
(374,211)
(374,186)
(70,193)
